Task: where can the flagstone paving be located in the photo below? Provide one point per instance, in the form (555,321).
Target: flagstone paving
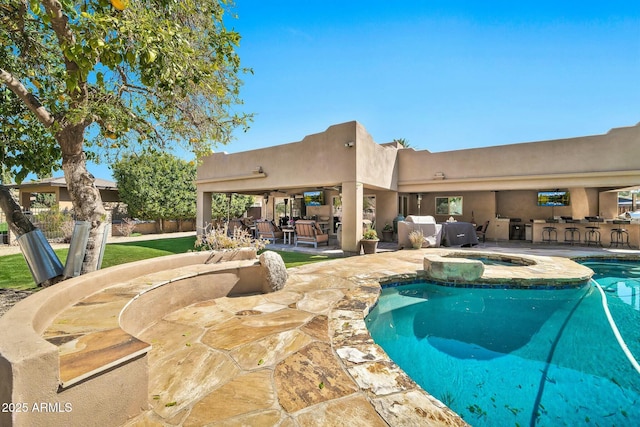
(301,356)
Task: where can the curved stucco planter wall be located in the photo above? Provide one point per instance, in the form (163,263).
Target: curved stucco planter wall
(31,390)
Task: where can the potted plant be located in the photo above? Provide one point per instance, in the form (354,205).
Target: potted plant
(387,233)
(369,241)
(416,238)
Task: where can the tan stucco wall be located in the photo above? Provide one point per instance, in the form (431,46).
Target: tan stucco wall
(376,165)
(318,160)
(612,159)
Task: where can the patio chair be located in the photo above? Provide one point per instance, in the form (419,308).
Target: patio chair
(309,232)
(268,230)
(481,231)
(235,223)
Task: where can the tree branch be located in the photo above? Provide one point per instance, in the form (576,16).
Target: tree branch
(18,222)
(27,97)
(60,26)
(59,22)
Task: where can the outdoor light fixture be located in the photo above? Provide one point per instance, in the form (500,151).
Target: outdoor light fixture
(257,170)
(349,144)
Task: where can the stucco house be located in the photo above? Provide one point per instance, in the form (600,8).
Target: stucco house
(352,172)
(58,187)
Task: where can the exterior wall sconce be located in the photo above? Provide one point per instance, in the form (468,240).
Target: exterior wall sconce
(266,197)
(349,144)
(257,170)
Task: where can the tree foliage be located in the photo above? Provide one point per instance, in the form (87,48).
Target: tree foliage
(223,208)
(157,186)
(158,73)
(26,146)
(84,79)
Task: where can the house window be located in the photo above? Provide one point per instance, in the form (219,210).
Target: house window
(449,205)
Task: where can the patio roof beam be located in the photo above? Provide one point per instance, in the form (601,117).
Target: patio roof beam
(232,178)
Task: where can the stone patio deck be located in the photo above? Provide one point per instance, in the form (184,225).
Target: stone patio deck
(301,356)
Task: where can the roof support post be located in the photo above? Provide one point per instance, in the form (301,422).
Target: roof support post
(352,193)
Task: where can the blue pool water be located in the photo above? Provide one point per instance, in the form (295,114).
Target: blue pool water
(520,357)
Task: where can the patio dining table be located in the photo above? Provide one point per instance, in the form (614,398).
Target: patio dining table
(458,234)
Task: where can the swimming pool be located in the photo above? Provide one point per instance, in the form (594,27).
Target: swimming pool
(519,357)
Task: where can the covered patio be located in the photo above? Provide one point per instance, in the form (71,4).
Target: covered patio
(356,179)
(343,166)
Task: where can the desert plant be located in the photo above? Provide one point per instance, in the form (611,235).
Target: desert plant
(126,227)
(416,238)
(216,238)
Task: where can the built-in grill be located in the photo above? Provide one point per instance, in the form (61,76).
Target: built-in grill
(516,230)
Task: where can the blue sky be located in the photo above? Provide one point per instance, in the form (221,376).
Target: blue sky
(444,75)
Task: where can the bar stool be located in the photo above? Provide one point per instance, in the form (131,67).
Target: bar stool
(573,231)
(549,229)
(620,235)
(592,235)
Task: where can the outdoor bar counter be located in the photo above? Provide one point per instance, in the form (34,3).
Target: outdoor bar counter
(605,229)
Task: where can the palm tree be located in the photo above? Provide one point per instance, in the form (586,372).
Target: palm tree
(402,142)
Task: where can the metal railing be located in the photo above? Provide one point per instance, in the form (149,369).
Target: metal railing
(56,225)
(4,230)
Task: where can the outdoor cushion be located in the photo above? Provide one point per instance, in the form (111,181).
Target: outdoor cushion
(416,219)
(268,230)
(309,232)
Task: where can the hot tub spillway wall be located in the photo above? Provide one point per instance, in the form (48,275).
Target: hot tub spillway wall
(453,269)
(520,271)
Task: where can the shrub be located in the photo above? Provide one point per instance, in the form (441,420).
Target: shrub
(126,227)
(218,238)
(55,225)
(67,229)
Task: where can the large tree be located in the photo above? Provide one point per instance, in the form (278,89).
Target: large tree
(157,186)
(88,79)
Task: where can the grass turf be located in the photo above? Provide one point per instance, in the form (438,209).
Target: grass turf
(15,274)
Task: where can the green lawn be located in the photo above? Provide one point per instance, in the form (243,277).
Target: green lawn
(14,272)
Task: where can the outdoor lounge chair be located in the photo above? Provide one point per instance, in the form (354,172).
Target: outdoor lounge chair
(431,230)
(309,232)
(268,230)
